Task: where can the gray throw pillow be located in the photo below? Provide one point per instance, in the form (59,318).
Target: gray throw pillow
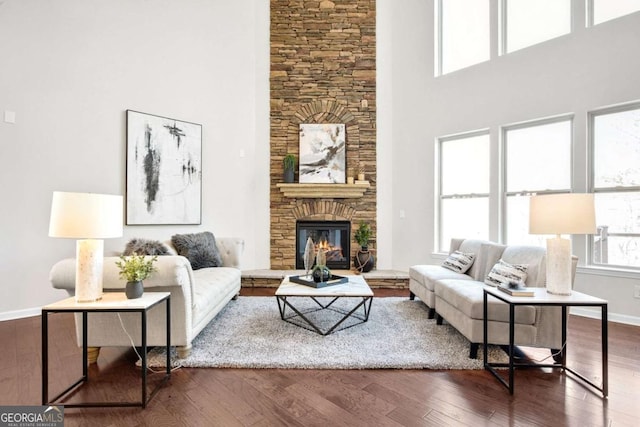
(145,247)
(199,248)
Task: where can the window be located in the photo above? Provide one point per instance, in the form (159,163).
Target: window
(615,135)
(606,10)
(462,34)
(537,160)
(464,187)
(527,22)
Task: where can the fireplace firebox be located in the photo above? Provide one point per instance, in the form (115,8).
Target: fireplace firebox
(331,236)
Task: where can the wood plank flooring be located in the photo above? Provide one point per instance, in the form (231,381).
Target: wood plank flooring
(270,397)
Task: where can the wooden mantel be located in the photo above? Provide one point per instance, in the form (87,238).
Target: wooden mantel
(324,191)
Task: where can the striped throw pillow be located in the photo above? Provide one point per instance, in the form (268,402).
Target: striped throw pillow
(502,273)
(459,262)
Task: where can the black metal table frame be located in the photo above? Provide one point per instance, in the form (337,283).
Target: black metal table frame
(283,302)
(604,389)
(85,374)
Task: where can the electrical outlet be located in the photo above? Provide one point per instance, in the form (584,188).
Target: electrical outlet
(636,291)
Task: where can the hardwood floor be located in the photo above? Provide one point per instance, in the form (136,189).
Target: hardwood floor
(266,397)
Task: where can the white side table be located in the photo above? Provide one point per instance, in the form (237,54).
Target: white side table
(542,298)
(110,302)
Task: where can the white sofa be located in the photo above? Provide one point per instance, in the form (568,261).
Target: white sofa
(458,298)
(196,297)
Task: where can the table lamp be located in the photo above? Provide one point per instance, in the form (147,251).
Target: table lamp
(91,218)
(567,213)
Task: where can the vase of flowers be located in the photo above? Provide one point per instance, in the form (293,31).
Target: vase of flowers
(134,269)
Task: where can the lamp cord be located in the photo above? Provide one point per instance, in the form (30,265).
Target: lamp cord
(149,368)
(544,358)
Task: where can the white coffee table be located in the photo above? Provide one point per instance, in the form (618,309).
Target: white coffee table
(290,294)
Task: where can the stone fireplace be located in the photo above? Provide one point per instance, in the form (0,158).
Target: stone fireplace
(332,237)
(322,71)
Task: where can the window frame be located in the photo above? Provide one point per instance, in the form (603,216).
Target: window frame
(503,29)
(590,14)
(439,181)
(504,194)
(438,38)
(591,116)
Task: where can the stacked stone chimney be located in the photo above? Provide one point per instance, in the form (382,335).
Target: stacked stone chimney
(323,70)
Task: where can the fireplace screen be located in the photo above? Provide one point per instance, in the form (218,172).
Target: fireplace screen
(330,236)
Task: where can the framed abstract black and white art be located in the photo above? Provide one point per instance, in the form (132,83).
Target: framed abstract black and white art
(164,170)
(322,153)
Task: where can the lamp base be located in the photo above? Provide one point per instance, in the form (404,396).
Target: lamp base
(559,266)
(89,266)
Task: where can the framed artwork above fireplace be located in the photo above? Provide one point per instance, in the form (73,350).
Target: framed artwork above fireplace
(322,153)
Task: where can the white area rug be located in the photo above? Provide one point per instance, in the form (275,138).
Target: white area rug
(249,333)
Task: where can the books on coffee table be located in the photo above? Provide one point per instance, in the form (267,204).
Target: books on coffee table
(516,290)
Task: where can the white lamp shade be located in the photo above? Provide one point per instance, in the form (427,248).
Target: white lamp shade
(571,213)
(85,215)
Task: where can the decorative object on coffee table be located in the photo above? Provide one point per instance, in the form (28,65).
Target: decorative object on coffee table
(309,255)
(364,259)
(321,272)
(309,281)
(134,269)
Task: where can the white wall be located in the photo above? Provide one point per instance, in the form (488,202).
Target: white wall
(590,68)
(70,68)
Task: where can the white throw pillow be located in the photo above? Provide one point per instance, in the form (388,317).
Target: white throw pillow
(503,273)
(459,262)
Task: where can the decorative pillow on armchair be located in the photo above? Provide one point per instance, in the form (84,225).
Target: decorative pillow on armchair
(145,247)
(199,248)
(459,262)
(502,273)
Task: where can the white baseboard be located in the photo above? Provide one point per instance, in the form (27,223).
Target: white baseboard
(594,313)
(19,314)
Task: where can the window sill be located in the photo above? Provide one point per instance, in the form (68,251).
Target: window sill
(593,270)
